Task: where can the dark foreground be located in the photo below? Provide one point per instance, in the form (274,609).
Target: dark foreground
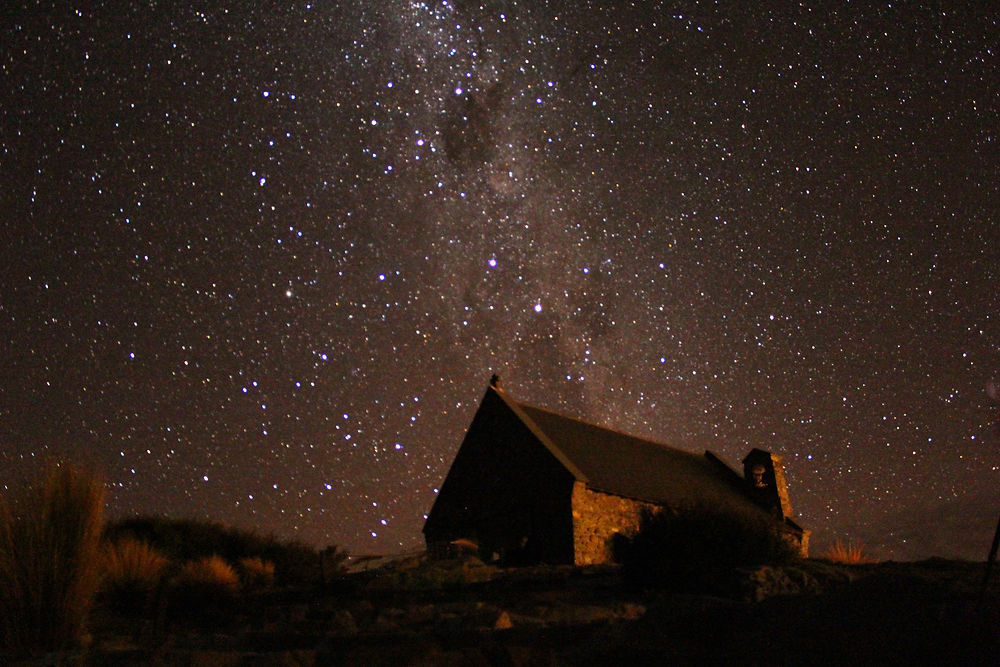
(464,613)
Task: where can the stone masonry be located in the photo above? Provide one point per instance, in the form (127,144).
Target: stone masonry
(597,518)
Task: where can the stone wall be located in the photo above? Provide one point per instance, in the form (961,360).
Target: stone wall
(597,517)
(800,540)
(781,486)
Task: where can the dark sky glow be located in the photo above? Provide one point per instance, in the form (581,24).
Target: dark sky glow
(259,264)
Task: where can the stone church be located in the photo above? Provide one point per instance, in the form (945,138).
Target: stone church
(531,485)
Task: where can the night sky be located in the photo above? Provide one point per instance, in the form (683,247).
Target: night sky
(258,264)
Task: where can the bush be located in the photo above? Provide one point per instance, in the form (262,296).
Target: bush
(132,572)
(698,547)
(49,561)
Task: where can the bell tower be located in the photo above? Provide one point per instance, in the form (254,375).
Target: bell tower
(765,479)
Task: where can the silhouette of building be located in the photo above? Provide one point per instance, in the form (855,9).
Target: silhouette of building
(530,485)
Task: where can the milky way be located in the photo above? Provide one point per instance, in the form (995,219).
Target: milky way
(259,264)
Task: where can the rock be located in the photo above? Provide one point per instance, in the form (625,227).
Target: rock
(299,658)
(215,659)
(388,620)
(503,622)
(631,611)
(420,614)
(767,581)
(342,624)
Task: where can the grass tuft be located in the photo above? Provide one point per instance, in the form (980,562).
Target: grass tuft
(132,572)
(851,553)
(256,572)
(205,591)
(49,561)
(183,540)
(210,573)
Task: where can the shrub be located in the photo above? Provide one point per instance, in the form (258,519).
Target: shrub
(132,572)
(698,547)
(49,561)
(852,553)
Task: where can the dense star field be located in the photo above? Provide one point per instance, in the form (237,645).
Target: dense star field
(259,264)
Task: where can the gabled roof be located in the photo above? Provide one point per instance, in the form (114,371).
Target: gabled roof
(617,463)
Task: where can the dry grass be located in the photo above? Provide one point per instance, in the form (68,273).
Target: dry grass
(211,573)
(49,561)
(851,553)
(131,573)
(133,563)
(204,592)
(183,540)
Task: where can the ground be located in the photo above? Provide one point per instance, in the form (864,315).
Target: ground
(417,612)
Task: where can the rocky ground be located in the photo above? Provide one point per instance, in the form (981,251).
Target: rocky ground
(465,613)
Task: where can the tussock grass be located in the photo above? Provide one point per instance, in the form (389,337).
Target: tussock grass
(212,574)
(256,572)
(133,563)
(131,574)
(183,540)
(205,591)
(851,553)
(50,561)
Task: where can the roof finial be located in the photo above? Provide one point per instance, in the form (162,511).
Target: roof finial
(495,381)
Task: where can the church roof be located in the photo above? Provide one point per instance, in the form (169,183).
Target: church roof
(617,463)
